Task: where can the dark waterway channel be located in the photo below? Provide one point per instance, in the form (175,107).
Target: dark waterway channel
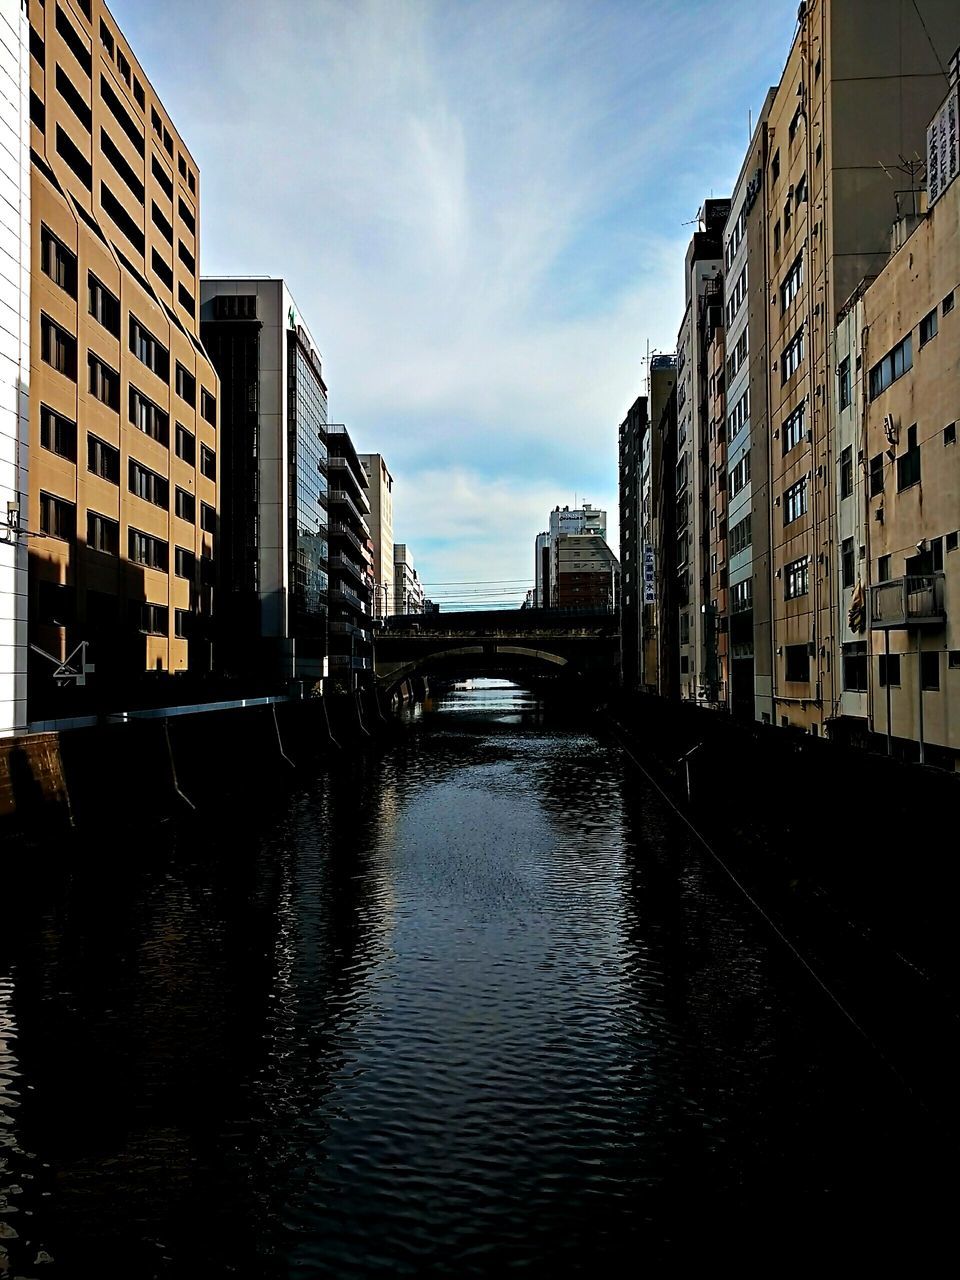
(472,1003)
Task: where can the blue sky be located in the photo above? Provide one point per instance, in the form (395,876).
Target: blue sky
(482,211)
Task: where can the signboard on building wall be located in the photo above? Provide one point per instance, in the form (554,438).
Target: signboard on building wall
(649,578)
(943,151)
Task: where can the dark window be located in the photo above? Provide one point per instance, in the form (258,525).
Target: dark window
(68,150)
(876,474)
(74,41)
(103,459)
(106,38)
(776,236)
(155,122)
(208,406)
(58,348)
(846,472)
(122,115)
(103,306)
(149,417)
(115,156)
(883,569)
(168,143)
(890,670)
(103,382)
(181,165)
(740,536)
(58,518)
(950,433)
(38,112)
(186,445)
(795,427)
(103,534)
(208,462)
(775,166)
(36,47)
(182,624)
(797,664)
(123,66)
(147,550)
(855,667)
(163,272)
(162,177)
(818,154)
(186,385)
(115,210)
(893,366)
(146,484)
(952,540)
(796,579)
(208,518)
(148,349)
(792,357)
(58,434)
(186,257)
(57,261)
(187,216)
(139,94)
(161,223)
(186,563)
(954,658)
(186,505)
(73,98)
(191,181)
(908,464)
(154,619)
(928,327)
(947,305)
(185,298)
(930,669)
(795,501)
(848,562)
(843,376)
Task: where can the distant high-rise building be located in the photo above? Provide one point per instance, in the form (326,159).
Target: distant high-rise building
(408,589)
(587,572)
(352,577)
(380,520)
(566,520)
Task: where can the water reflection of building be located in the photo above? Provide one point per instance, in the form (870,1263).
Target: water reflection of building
(273,440)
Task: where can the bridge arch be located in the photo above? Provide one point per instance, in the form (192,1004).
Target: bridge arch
(470,660)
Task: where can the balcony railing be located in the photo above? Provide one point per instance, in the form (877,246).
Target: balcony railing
(346,595)
(346,565)
(913,601)
(340,530)
(341,495)
(349,629)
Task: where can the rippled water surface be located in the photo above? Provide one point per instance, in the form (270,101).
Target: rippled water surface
(471,1005)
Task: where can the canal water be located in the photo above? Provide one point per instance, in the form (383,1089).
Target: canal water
(470,1005)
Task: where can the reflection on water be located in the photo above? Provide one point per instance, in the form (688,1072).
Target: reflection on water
(471,1005)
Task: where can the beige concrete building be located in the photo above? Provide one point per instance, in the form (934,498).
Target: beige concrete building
(123,403)
(910,390)
(380,522)
(861,83)
(587,572)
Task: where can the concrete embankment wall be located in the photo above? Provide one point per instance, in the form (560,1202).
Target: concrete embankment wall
(147,769)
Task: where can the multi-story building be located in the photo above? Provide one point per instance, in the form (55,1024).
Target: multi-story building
(671,587)
(352,579)
(14,360)
(407,587)
(587,572)
(712,553)
(272,554)
(633,432)
(845,114)
(910,388)
(661,381)
(541,571)
(122,502)
(380,521)
(702,272)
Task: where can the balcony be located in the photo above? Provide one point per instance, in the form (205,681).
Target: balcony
(344,499)
(340,530)
(914,601)
(346,595)
(350,629)
(347,660)
(344,564)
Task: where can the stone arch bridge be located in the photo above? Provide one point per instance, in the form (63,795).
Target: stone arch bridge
(576,650)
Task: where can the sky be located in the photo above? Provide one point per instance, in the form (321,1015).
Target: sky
(482,210)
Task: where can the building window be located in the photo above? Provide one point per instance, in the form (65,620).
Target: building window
(182,624)
(928,327)
(954,661)
(148,350)
(103,382)
(787,217)
(38,112)
(797,664)
(950,433)
(795,427)
(186,300)
(58,348)
(191,181)
(736,296)
(738,415)
(740,536)
(162,177)
(74,41)
(947,305)
(57,261)
(792,282)
(208,406)
(103,306)
(883,569)
(186,385)
(739,475)
(186,215)
(908,464)
(775,166)
(930,670)
(208,518)
(115,210)
(186,445)
(795,501)
(876,475)
(741,596)
(890,670)
(893,366)
(843,378)
(796,579)
(208,462)
(167,142)
(58,518)
(154,619)
(792,357)
(58,434)
(846,472)
(185,563)
(103,534)
(855,667)
(186,506)
(951,540)
(147,550)
(122,115)
(848,562)
(776,236)
(103,459)
(186,257)
(161,223)
(146,484)
(149,417)
(818,154)
(120,166)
